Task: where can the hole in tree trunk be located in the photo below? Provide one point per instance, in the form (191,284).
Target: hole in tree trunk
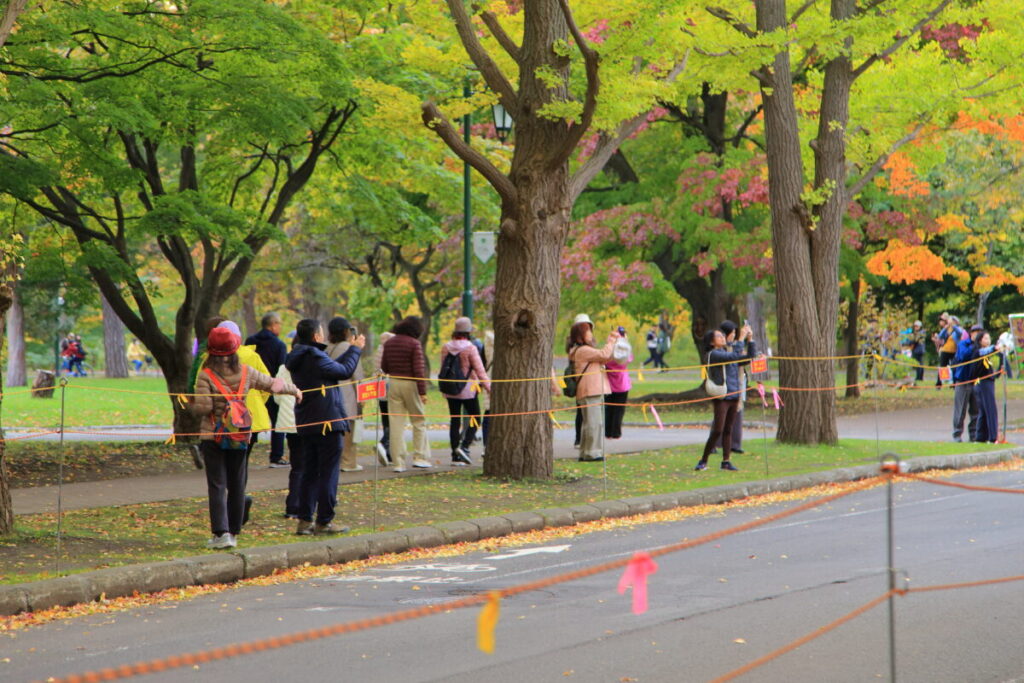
(524,320)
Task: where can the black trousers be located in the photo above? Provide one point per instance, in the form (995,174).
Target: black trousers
(319,482)
(919,359)
(226,474)
(385,423)
(613,414)
(461,431)
(297,458)
(721,428)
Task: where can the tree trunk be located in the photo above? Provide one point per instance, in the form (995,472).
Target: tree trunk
(757,319)
(16,371)
(115,357)
(802,254)
(6,508)
(250,320)
(850,339)
(979,318)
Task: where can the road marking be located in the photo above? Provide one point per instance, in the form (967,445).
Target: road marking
(521,552)
(437,567)
(370,578)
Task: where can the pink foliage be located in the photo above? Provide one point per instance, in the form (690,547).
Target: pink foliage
(596,32)
(949,36)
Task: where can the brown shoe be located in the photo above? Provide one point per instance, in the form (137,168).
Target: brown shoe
(330,528)
(304,528)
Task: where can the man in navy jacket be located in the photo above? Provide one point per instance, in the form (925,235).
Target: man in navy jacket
(320,422)
(273,352)
(964,374)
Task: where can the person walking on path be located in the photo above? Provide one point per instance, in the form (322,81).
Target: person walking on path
(462,431)
(723,368)
(985,388)
(384,445)
(321,425)
(226,467)
(964,373)
(339,332)
(664,344)
(405,364)
(273,352)
(915,343)
(652,347)
(591,387)
(619,384)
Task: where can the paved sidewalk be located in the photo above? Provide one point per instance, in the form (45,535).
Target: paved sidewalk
(923,424)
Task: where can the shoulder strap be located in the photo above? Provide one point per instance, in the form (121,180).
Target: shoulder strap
(222,389)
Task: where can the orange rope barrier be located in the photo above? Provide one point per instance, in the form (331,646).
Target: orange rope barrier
(747,668)
(953,484)
(275,642)
(966,584)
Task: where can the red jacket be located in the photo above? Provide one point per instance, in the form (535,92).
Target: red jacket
(403,359)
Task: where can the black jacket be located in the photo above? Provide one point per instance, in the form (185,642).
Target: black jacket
(271,349)
(311,368)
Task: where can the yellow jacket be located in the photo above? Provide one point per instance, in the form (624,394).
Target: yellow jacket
(255,400)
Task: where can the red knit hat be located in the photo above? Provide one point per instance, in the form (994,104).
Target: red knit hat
(222,342)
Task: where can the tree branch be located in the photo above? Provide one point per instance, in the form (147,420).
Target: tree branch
(493,76)
(727,16)
(492,23)
(858,186)
(591,61)
(433,119)
(801,9)
(899,42)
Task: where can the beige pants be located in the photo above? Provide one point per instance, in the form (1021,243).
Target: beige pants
(592,430)
(349,450)
(406,405)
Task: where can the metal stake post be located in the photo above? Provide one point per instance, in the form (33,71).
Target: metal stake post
(891,462)
(60,473)
(764,431)
(376,445)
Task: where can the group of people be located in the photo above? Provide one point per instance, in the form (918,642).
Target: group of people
(974,366)
(72,355)
(306,398)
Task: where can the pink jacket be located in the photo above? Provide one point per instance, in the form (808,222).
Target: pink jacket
(618,376)
(593,381)
(472,366)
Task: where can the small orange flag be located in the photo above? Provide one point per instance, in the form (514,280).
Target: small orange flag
(487,622)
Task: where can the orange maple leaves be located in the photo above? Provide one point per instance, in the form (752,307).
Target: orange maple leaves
(904,263)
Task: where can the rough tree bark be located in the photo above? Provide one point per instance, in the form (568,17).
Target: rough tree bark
(114,355)
(850,342)
(6,508)
(16,374)
(536,200)
(250,319)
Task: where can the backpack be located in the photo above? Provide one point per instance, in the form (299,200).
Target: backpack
(451,380)
(232,428)
(572,379)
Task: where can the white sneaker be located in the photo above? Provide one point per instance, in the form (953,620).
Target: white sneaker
(420,462)
(382,454)
(222,541)
(357,468)
(399,468)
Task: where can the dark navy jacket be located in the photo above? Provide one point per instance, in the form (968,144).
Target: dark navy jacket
(732,370)
(271,349)
(311,368)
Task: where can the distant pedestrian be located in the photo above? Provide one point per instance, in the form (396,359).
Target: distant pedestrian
(592,385)
(964,373)
(723,368)
(384,445)
(273,352)
(136,355)
(581,318)
(652,347)
(225,457)
(915,344)
(339,336)
(321,422)
(403,361)
(464,406)
(664,344)
(946,339)
(619,384)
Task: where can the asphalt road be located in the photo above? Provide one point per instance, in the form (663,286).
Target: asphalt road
(712,608)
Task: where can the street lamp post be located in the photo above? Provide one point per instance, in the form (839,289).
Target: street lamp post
(502,126)
(467,218)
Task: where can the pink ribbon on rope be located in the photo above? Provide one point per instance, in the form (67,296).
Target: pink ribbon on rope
(639,567)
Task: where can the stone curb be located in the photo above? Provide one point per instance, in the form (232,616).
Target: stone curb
(261,561)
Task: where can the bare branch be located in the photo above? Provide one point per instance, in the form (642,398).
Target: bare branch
(492,23)
(435,120)
(858,186)
(899,42)
(727,16)
(591,61)
(801,9)
(495,79)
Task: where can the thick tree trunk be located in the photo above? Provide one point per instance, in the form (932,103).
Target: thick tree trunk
(6,508)
(850,339)
(804,299)
(115,357)
(16,371)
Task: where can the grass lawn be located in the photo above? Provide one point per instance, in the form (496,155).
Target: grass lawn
(113,536)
